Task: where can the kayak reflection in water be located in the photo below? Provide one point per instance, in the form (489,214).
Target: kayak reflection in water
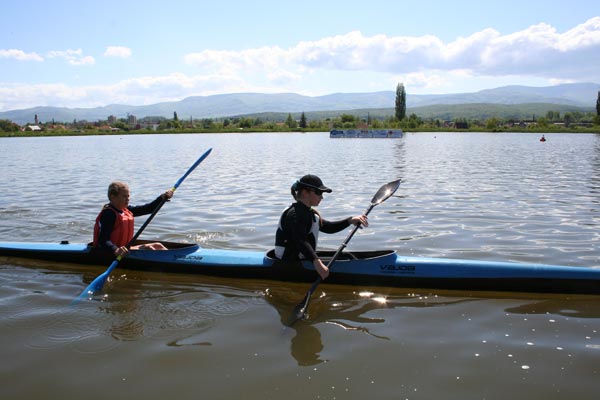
(114,225)
(300,224)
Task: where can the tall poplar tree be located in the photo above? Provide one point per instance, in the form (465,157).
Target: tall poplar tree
(400,102)
(598,104)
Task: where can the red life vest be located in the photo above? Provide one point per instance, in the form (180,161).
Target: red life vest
(122,231)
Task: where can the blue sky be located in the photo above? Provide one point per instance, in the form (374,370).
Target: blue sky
(91,53)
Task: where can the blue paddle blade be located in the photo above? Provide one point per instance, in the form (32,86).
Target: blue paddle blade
(98,283)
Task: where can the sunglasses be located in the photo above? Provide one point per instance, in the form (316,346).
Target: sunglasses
(317,192)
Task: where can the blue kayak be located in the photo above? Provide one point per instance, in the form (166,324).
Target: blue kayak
(364,268)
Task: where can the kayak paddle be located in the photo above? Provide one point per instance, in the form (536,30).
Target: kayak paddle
(384,193)
(98,283)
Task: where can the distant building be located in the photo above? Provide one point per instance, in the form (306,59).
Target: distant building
(112,120)
(131,120)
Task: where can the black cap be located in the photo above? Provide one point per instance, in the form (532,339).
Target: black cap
(313,182)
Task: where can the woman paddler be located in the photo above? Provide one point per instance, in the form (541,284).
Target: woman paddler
(300,224)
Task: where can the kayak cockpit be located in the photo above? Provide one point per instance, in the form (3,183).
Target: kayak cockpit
(325,256)
(169,245)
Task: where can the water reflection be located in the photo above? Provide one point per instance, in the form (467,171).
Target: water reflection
(143,308)
(346,309)
(581,307)
(183,313)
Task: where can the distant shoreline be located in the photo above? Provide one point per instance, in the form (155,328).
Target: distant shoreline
(591,130)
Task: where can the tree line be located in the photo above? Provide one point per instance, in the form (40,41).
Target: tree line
(552,120)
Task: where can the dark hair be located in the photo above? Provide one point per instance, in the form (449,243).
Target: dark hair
(295,190)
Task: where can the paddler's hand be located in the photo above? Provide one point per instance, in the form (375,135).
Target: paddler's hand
(121,251)
(321,268)
(359,219)
(167,195)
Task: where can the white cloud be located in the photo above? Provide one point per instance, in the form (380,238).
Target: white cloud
(20,55)
(24,95)
(537,55)
(73,57)
(536,51)
(265,58)
(420,80)
(136,91)
(117,51)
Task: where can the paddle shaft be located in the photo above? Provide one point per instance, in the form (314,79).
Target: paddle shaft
(338,252)
(163,200)
(97,283)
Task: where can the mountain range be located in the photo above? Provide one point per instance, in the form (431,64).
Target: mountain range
(579,96)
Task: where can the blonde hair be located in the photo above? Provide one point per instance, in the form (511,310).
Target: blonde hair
(115,187)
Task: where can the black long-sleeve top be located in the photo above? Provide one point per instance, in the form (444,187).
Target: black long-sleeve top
(295,231)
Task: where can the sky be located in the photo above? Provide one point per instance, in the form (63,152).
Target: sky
(84,53)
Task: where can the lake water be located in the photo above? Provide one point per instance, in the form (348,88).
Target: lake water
(501,196)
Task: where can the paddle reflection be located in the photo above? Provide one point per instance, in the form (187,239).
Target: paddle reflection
(346,309)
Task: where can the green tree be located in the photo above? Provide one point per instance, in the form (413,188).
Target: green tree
(347,118)
(568,118)
(8,126)
(400,102)
(207,123)
(376,124)
(598,104)
(553,115)
(175,118)
(542,122)
(303,123)
(290,122)
(121,125)
(246,123)
(414,121)
(492,123)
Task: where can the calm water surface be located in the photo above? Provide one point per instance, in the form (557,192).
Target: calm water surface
(478,196)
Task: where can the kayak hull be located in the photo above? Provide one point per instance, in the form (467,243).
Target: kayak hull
(375,268)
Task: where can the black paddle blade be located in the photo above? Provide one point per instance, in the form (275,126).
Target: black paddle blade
(385,192)
(300,310)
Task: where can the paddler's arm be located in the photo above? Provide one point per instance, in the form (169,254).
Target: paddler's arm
(150,207)
(300,237)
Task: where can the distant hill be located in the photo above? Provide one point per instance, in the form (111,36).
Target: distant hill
(473,111)
(443,112)
(576,96)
